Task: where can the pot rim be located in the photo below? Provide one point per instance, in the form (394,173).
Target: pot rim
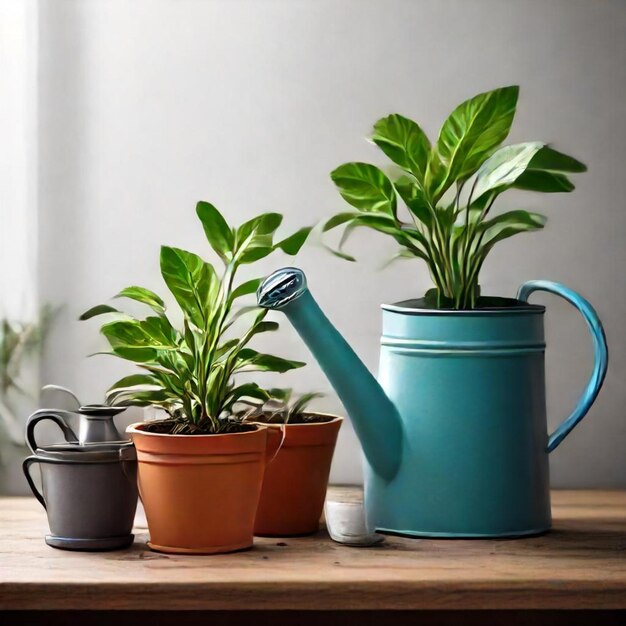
(336,418)
(135,428)
(522,308)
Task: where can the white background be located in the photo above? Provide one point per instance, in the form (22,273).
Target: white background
(146,107)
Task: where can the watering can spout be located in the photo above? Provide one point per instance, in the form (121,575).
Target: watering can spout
(374,417)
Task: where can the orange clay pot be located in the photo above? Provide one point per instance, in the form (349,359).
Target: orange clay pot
(200,492)
(294,486)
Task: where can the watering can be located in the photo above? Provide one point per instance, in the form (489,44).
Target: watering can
(454,432)
(89,481)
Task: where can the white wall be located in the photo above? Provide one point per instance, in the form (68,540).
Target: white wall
(148,106)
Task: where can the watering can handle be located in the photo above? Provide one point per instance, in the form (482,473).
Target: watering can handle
(28,461)
(600,351)
(55,416)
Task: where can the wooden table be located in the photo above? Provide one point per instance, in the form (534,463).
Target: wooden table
(574,574)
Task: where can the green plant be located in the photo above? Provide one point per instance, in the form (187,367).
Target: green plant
(190,372)
(449,189)
(280,408)
(18,341)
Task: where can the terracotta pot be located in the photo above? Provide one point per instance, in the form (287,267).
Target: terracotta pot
(294,486)
(201,492)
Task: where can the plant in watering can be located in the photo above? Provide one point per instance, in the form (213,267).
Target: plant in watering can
(451,190)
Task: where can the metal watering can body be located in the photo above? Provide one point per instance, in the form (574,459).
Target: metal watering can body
(454,432)
(89,483)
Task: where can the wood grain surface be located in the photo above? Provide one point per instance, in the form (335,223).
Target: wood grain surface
(581,564)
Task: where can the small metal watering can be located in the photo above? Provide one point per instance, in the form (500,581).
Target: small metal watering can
(89,483)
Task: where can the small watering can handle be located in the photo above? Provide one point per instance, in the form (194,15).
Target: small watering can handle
(54,416)
(28,461)
(600,351)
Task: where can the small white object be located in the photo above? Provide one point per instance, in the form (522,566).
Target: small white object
(346,524)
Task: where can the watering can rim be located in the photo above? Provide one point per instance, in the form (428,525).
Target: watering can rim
(406,307)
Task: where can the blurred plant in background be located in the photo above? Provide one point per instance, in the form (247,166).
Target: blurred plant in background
(19,341)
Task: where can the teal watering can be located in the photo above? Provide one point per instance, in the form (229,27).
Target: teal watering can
(454,432)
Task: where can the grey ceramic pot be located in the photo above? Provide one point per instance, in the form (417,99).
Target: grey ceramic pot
(89,493)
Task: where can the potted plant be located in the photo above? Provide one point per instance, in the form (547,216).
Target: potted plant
(449,190)
(200,469)
(294,485)
(454,432)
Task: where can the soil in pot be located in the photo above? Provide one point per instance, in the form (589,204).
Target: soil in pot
(294,485)
(201,492)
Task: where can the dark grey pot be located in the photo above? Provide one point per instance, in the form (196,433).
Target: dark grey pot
(89,493)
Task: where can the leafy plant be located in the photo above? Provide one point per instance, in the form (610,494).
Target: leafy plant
(449,190)
(18,341)
(280,408)
(190,372)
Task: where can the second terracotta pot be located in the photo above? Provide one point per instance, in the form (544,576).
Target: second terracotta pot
(294,486)
(200,492)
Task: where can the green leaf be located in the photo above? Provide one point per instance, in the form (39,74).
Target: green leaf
(504,167)
(252,360)
(129,385)
(258,326)
(509,224)
(160,332)
(226,347)
(137,355)
(406,236)
(191,280)
(338,220)
(291,245)
(264,224)
(268,223)
(550,160)
(156,397)
(255,253)
(134,380)
(217,231)
(264,327)
(434,299)
(246,288)
(545,182)
(303,401)
(99,309)
(248,390)
(143,295)
(244,310)
(414,199)
(404,142)
(469,135)
(365,187)
(128,333)
(280,393)
(545,172)
(523,218)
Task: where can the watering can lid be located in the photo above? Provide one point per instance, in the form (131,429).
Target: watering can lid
(106,452)
(101,410)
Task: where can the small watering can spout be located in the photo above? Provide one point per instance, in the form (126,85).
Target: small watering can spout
(374,417)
